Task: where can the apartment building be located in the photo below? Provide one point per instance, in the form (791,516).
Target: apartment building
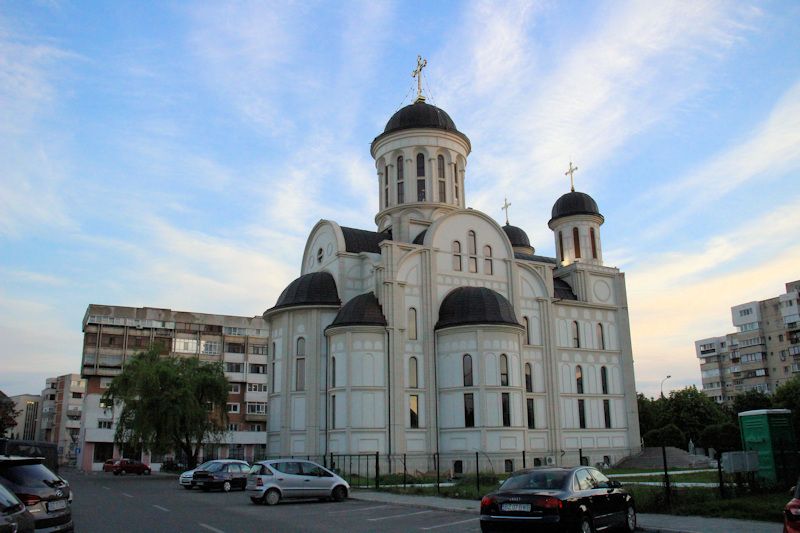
(113,334)
(762,353)
(60,414)
(27,419)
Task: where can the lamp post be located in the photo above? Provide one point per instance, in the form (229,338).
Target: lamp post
(662,385)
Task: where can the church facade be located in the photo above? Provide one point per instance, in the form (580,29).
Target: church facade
(441,331)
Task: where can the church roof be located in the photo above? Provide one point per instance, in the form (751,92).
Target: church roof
(475,305)
(533,257)
(421,115)
(562,290)
(574,203)
(361,240)
(517,236)
(316,288)
(363,310)
(419,239)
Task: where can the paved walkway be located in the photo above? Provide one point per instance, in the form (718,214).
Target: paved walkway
(652,523)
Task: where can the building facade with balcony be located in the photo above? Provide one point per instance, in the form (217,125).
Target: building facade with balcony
(113,334)
(27,419)
(60,412)
(763,352)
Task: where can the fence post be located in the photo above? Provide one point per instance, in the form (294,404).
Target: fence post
(523,459)
(477,472)
(332,465)
(436,457)
(377,470)
(666,478)
(404,470)
(719,473)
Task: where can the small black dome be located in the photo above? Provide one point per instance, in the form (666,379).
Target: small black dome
(575,203)
(420,115)
(316,288)
(363,310)
(517,236)
(475,305)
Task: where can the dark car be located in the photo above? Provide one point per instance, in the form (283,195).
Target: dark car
(791,513)
(108,466)
(558,499)
(14,518)
(129,466)
(46,495)
(221,475)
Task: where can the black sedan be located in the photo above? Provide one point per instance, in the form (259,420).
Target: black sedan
(579,499)
(219,475)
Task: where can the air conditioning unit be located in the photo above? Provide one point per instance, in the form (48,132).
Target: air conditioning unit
(550,460)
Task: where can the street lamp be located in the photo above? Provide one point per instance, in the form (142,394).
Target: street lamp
(662,385)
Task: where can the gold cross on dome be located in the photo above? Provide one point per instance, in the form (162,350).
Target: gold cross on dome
(569,173)
(417,73)
(506,205)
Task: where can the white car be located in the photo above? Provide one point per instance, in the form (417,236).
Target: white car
(186,479)
(278,479)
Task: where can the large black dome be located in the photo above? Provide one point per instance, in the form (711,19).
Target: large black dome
(316,288)
(475,305)
(363,310)
(517,236)
(574,203)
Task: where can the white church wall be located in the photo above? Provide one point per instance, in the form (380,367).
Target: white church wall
(322,243)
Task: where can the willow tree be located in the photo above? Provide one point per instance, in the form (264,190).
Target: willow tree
(169,403)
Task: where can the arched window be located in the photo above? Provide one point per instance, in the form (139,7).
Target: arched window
(488,268)
(594,243)
(300,365)
(457,256)
(576,335)
(455,181)
(412,324)
(528,378)
(527,322)
(412,373)
(386,186)
(576,242)
(604,379)
(420,178)
(333,371)
(467,367)
(301,347)
(504,370)
(401,196)
(472,251)
(442,188)
(579,379)
(561,245)
(601,338)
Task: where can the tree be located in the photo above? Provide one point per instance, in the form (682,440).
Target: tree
(787,396)
(7,414)
(721,437)
(652,413)
(669,435)
(751,400)
(169,403)
(692,411)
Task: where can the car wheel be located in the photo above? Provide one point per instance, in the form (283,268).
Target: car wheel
(339,493)
(630,519)
(272,497)
(226,486)
(116,472)
(585,525)
(147,472)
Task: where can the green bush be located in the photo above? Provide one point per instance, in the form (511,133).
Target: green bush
(669,435)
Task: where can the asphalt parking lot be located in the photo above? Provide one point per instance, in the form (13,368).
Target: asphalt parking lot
(104,502)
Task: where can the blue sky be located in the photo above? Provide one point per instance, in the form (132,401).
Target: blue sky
(176,155)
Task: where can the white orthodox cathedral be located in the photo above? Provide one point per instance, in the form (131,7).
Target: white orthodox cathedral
(442,331)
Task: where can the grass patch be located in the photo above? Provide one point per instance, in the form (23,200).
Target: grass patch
(695,477)
(612,471)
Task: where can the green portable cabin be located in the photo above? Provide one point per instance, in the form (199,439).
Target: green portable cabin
(770,433)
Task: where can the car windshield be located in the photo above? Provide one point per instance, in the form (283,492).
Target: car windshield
(214,467)
(552,480)
(204,466)
(27,475)
(7,499)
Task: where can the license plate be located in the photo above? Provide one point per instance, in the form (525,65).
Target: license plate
(56,505)
(524,507)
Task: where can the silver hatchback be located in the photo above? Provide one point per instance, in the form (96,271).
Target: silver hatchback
(271,481)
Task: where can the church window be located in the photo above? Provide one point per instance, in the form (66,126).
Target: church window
(604,379)
(579,379)
(386,186)
(333,371)
(301,347)
(472,250)
(505,405)
(412,324)
(582,414)
(487,260)
(561,245)
(601,338)
(531,414)
(504,370)
(457,256)
(420,178)
(455,181)
(576,242)
(458,467)
(273,351)
(272,378)
(420,165)
(467,369)
(594,243)
(412,373)
(333,411)
(469,410)
(607,413)
(300,374)
(413,410)
(576,335)
(320,255)
(528,378)
(508,466)
(401,197)
(442,188)
(527,323)
(537,461)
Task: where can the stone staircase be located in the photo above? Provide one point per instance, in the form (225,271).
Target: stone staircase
(676,458)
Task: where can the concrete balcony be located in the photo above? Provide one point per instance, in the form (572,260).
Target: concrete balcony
(255,417)
(252,396)
(257,359)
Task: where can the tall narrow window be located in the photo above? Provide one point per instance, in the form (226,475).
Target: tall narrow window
(301,347)
(412,324)
(467,368)
(582,414)
(412,373)
(505,404)
(413,410)
(607,413)
(504,370)
(401,196)
(386,186)
(604,379)
(531,416)
(272,378)
(576,242)
(528,378)
(333,411)
(594,243)
(487,260)
(420,178)
(472,251)
(333,371)
(300,374)
(455,182)
(579,379)
(576,335)
(274,353)
(469,410)
(601,338)
(457,256)
(442,182)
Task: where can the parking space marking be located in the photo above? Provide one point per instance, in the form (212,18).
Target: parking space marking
(107,488)
(397,516)
(127,495)
(448,524)
(360,509)
(162,508)
(210,528)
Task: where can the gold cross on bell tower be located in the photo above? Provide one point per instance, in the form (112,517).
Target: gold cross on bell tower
(569,173)
(417,73)
(506,205)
